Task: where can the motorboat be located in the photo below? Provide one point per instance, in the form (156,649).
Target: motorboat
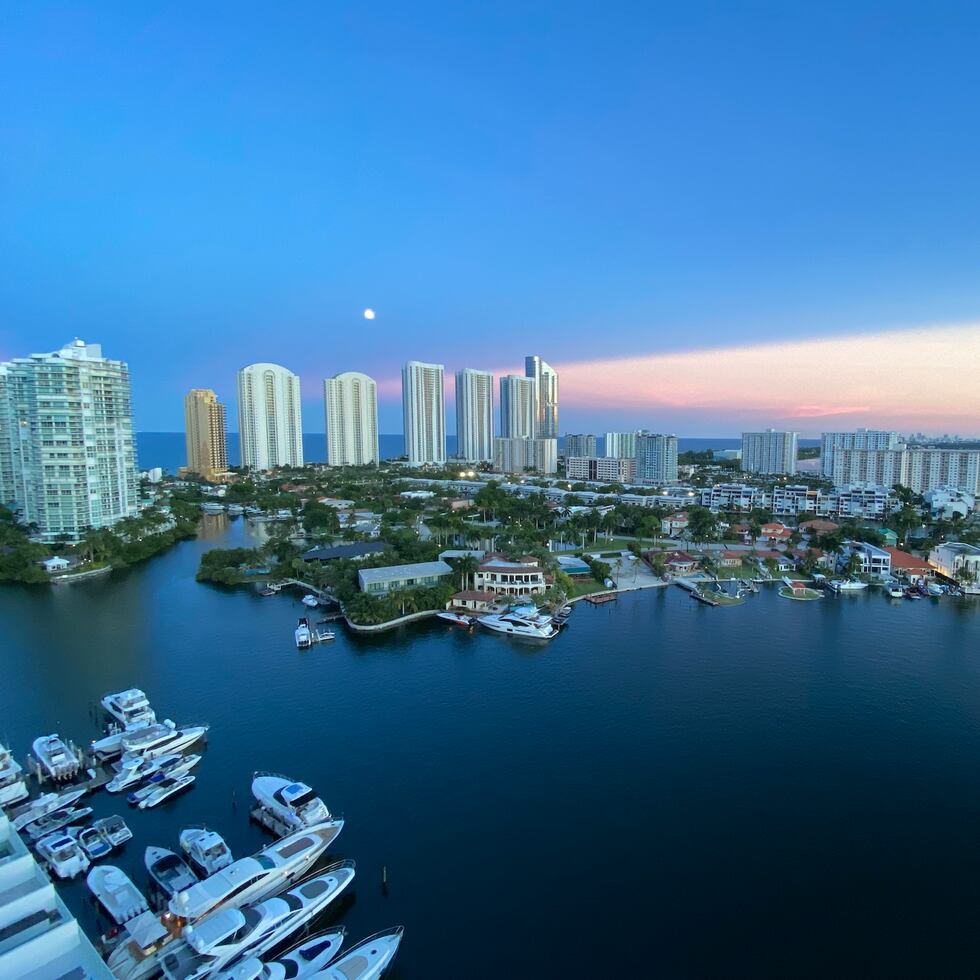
(113,828)
(63,855)
(304,638)
(116,893)
(92,842)
(163,791)
(457,619)
(111,744)
(245,881)
(129,707)
(236,510)
(169,871)
(515,624)
(206,849)
(41,805)
(367,960)
(310,601)
(224,937)
(848,585)
(894,590)
(935,590)
(160,740)
(211,507)
(179,766)
(55,820)
(135,769)
(56,757)
(252,879)
(301,961)
(295,804)
(13,786)
(912,593)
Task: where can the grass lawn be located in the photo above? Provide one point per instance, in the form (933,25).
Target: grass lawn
(585,586)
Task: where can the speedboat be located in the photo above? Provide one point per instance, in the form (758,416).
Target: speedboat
(310,601)
(222,938)
(163,791)
(295,804)
(57,758)
(236,510)
(303,960)
(173,767)
(114,830)
(935,590)
(515,624)
(135,769)
(457,619)
(365,961)
(304,638)
(92,842)
(911,593)
(206,849)
(168,870)
(848,585)
(63,854)
(55,820)
(13,786)
(47,803)
(111,744)
(894,590)
(247,880)
(160,740)
(116,893)
(129,707)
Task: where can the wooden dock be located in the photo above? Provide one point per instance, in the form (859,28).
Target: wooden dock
(598,600)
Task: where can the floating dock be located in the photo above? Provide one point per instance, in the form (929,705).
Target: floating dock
(598,600)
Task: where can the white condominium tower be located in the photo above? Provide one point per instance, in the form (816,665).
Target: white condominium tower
(269,417)
(830,442)
(350,401)
(769,452)
(474,415)
(545,396)
(517,407)
(67,454)
(620,445)
(205,430)
(656,458)
(424,412)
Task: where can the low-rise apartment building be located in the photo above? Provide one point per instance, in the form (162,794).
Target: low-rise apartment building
(604,469)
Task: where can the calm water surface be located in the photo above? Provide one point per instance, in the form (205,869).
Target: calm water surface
(778,788)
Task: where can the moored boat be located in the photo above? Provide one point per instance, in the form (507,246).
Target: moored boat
(41,805)
(304,638)
(55,820)
(55,755)
(113,828)
(133,770)
(515,624)
(163,791)
(206,849)
(158,740)
(93,843)
(173,767)
(129,707)
(457,619)
(116,893)
(301,961)
(310,601)
(63,855)
(168,870)
(13,786)
(848,585)
(368,960)
(295,804)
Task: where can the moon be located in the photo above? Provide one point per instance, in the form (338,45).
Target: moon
(369,314)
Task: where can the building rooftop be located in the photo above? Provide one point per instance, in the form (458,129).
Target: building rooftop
(906,562)
(420,569)
(355,550)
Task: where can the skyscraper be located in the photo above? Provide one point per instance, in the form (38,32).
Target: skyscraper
(545,396)
(474,415)
(270,421)
(350,403)
(620,445)
(424,412)
(205,430)
(656,458)
(580,444)
(67,453)
(517,407)
(515,455)
(830,442)
(770,452)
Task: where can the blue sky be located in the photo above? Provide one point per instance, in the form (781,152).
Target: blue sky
(202,186)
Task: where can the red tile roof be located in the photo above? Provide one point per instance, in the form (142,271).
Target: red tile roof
(906,562)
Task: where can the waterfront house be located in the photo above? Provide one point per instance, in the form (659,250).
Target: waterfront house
(782,561)
(680,563)
(472,600)
(504,577)
(393,578)
(874,560)
(958,561)
(674,524)
(55,564)
(909,567)
(353,551)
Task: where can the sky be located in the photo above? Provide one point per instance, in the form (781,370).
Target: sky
(704,215)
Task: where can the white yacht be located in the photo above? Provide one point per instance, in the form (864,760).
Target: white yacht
(206,849)
(63,855)
(160,740)
(895,591)
(173,767)
(116,893)
(134,770)
(168,870)
(365,961)
(848,585)
(516,624)
(55,820)
(222,939)
(56,757)
(304,638)
(310,601)
(13,786)
(114,830)
(111,744)
(301,961)
(295,804)
(93,843)
(47,803)
(163,791)
(129,707)
(457,619)
(236,510)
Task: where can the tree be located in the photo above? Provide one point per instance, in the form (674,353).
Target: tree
(702,525)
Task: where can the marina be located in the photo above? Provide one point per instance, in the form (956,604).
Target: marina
(413,733)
